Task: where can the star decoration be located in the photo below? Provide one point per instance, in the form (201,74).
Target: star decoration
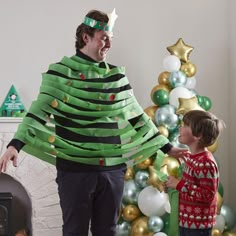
(188,104)
(112,18)
(154,179)
(181,50)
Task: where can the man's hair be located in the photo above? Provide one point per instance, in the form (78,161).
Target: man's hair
(205,125)
(82,28)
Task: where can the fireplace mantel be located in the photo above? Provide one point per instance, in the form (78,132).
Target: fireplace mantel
(9,124)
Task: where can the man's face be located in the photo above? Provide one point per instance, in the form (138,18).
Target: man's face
(97,47)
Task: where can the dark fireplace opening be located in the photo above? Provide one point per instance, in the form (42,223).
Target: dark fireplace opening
(15,207)
(5,214)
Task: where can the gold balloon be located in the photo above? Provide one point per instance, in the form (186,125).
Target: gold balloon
(140,227)
(189,69)
(216,232)
(150,111)
(220,202)
(212,148)
(181,50)
(163,130)
(170,166)
(158,87)
(229,233)
(188,104)
(154,180)
(163,78)
(129,174)
(144,164)
(131,212)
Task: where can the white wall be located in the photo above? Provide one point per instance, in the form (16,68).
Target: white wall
(35,33)
(232,101)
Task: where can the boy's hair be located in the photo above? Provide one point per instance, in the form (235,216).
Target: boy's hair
(82,28)
(205,125)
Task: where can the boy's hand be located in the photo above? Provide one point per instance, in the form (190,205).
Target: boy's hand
(171,182)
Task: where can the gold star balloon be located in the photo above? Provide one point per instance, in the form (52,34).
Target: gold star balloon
(181,50)
(154,179)
(188,104)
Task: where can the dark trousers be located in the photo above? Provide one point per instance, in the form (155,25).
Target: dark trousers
(90,197)
(194,232)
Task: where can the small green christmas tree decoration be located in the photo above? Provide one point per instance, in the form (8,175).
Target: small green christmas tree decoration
(12,105)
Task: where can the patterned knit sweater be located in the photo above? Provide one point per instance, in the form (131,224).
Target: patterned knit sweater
(197,191)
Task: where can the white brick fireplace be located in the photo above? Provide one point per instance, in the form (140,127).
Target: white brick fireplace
(38,179)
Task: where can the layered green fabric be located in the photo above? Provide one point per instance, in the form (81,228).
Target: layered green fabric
(63,92)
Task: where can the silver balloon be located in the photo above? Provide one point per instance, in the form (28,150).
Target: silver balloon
(155,224)
(177,79)
(165,116)
(131,192)
(141,178)
(229,215)
(123,229)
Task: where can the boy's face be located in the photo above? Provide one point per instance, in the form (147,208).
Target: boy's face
(185,135)
(97,46)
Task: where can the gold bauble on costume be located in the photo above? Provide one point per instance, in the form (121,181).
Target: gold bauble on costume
(163,78)
(131,212)
(188,104)
(154,180)
(189,69)
(163,130)
(150,111)
(170,166)
(129,174)
(140,227)
(181,50)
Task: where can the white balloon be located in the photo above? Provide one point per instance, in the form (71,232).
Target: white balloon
(160,234)
(179,92)
(152,202)
(171,63)
(190,83)
(168,207)
(220,223)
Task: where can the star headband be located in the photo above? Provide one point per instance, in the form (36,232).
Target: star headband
(102,25)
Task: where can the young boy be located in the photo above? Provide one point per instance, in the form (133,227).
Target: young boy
(199,183)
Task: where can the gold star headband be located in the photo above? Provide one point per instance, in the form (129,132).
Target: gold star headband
(101,25)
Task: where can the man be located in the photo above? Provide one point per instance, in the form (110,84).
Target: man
(88,120)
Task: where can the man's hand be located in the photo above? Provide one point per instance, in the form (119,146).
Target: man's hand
(10,154)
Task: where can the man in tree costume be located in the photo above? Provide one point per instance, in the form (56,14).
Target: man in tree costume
(88,123)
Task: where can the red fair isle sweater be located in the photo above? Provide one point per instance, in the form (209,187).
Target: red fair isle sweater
(197,191)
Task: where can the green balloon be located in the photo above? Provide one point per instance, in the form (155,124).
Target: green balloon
(160,97)
(206,105)
(166,220)
(221,189)
(199,100)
